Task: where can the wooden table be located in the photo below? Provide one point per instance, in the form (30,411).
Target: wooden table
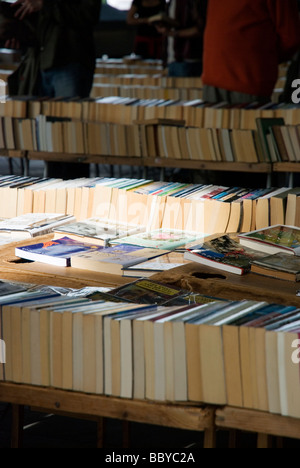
(212,282)
(14,269)
(186,416)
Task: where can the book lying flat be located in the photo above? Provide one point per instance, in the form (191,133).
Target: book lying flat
(158,265)
(56,253)
(281,266)
(112,260)
(33,224)
(166,239)
(147,291)
(274,239)
(225,254)
(97,231)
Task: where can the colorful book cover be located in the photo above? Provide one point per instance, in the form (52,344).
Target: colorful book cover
(224,253)
(57,252)
(274,239)
(147,292)
(165,239)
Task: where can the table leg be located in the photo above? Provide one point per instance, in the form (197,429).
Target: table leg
(100,432)
(210,438)
(264,441)
(17,426)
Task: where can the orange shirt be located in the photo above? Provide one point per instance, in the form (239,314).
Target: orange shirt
(245,40)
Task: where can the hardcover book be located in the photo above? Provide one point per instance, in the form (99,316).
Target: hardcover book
(224,254)
(274,239)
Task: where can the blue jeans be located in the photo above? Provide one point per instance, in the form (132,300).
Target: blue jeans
(72,80)
(185,69)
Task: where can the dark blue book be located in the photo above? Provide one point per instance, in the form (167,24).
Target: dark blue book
(58,252)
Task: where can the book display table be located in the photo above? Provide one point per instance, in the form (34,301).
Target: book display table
(188,416)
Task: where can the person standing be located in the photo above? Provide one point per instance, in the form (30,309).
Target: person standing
(185,40)
(61,60)
(244,43)
(148,41)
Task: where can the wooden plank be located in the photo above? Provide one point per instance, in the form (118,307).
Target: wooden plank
(84,158)
(259,422)
(286,167)
(194,418)
(152,162)
(208,166)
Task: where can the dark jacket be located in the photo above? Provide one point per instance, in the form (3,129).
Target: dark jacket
(63,35)
(65,32)
(190,13)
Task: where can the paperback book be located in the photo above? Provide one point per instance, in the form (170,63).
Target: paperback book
(97,231)
(224,253)
(33,224)
(58,252)
(274,239)
(113,260)
(164,263)
(165,239)
(146,291)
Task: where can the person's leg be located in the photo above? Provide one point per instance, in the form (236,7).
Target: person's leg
(214,95)
(178,70)
(72,80)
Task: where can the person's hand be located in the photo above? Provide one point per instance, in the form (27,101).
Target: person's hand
(27,7)
(162,30)
(12,44)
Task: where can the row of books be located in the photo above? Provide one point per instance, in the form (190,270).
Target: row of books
(145,92)
(45,134)
(151,341)
(160,139)
(114,67)
(208,209)
(147,80)
(126,110)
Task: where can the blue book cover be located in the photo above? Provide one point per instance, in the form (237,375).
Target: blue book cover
(56,252)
